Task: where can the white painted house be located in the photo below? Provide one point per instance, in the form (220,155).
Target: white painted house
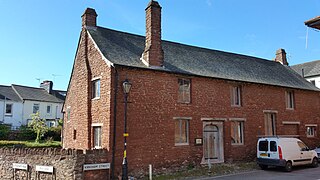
(18,102)
(310,71)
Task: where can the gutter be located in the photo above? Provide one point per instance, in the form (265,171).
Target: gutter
(114,121)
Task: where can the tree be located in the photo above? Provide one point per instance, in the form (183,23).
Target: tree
(38,125)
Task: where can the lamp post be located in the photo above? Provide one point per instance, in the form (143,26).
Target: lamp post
(126,89)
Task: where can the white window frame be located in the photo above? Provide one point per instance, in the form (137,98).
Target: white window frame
(313,128)
(180,119)
(239,121)
(96,88)
(236,96)
(49,105)
(99,145)
(9,114)
(290,102)
(34,105)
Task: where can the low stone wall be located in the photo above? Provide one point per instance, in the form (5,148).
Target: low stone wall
(67,163)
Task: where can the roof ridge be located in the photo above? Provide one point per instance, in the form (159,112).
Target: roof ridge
(28,86)
(306,63)
(193,46)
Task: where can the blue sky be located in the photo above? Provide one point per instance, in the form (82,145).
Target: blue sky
(39,38)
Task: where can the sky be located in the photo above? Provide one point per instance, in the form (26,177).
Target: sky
(38,38)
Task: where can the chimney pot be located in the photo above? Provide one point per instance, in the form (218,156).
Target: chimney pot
(89,18)
(153,53)
(281,57)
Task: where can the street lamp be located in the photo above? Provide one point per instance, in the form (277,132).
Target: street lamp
(126,89)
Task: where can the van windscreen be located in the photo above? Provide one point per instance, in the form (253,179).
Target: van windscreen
(263,145)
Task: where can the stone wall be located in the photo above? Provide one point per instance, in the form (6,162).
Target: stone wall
(67,163)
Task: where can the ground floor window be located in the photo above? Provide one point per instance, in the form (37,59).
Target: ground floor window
(97,136)
(270,124)
(181,136)
(311,131)
(237,132)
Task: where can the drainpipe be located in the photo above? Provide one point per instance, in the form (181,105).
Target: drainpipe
(114,121)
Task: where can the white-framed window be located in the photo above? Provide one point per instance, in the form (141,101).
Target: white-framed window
(36,108)
(181,130)
(9,108)
(237,132)
(184,95)
(270,124)
(95,88)
(311,131)
(236,96)
(97,137)
(48,109)
(289,99)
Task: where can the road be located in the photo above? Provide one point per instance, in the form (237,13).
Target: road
(299,173)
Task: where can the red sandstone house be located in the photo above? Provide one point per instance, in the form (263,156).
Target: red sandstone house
(187,104)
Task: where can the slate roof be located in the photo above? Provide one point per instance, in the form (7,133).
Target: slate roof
(9,93)
(310,68)
(35,94)
(125,49)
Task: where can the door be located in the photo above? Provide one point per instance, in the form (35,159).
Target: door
(305,154)
(211,142)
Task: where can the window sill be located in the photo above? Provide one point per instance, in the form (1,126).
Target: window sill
(290,109)
(97,147)
(237,144)
(236,106)
(181,144)
(180,102)
(8,115)
(311,136)
(96,98)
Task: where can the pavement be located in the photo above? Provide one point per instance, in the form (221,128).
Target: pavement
(298,173)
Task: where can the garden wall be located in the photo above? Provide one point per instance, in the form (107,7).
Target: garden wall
(67,163)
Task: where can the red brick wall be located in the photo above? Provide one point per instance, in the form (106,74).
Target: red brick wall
(84,109)
(153,105)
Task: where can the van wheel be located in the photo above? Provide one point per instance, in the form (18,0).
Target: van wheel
(263,167)
(288,166)
(315,162)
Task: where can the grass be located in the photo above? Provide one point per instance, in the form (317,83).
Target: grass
(30,144)
(216,170)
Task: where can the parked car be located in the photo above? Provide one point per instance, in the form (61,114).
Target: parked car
(318,152)
(284,152)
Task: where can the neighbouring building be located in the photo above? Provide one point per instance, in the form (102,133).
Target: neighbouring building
(18,102)
(310,71)
(187,104)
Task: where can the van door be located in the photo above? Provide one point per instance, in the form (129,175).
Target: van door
(273,150)
(305,154)
(263,148)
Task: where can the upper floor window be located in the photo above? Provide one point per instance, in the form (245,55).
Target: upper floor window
(184,90)
(48,109)
(289,100)
(8,109)
(270,124)
(96,88)
(313,82)
(36,108)
(68,114)
(236,96)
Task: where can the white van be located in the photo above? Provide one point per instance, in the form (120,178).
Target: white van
(284,152)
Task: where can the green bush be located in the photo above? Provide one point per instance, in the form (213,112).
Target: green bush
(4,131)
(25,133)
(53,133)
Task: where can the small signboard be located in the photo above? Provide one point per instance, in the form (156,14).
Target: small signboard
(20,166)
(88,167)
(198,141)
(48,169)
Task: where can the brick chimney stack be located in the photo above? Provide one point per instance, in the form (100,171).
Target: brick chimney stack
(89,18)
(281,57)
(153,53)
(47,85)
